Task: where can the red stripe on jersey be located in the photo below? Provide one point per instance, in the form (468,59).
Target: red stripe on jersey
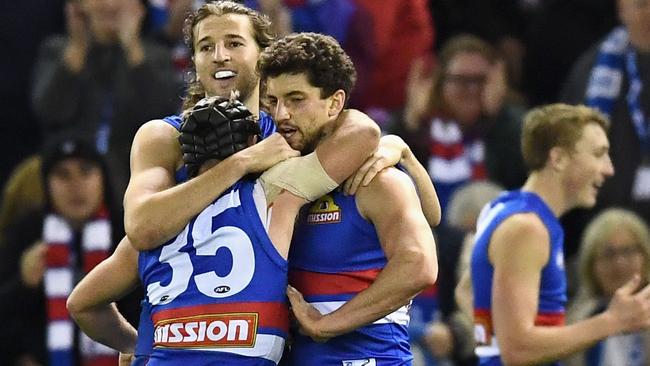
(56,309)
(484,318)
(550,319)
(100,361)
(57,255)
(315,283)
(271,314)
(483,321)
(431,291)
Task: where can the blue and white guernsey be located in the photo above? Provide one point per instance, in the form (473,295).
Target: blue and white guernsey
(217,290)
(145,327)
(552,291)
(335,254)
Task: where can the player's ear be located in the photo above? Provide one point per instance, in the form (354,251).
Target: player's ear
(336,103)
(558,158)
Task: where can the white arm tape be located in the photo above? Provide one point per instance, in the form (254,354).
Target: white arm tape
(303,176)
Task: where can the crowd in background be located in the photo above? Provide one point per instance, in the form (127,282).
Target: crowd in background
(453,78)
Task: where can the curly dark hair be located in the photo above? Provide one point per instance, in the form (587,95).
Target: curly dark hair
(321,57)
(261,31)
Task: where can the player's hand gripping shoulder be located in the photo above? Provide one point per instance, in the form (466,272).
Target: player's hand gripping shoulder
(216,128)
(393,150)
(156,208)
(354,138)
(267,153)
(390,151)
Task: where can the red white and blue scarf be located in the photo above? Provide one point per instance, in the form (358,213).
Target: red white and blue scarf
(60,278)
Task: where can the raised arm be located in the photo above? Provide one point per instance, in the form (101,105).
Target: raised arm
(353,140)
(155,207)
(92,302)
(393,150)
(408,243)
(519,249)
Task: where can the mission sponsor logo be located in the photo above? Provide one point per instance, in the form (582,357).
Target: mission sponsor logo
(207,331)
(324,211)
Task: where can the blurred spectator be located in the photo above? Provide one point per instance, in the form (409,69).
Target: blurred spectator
(402,31)
(492,21)
(166,18)
(464,209)
(615,247)
(604,77)
(47,251)
(22,193)
(19,131)
(350,24)
(463,122)
(438,330)
(559,31)
(502,23)
(467,202)
(103,79)
(463,212)
(438,336)
(383,38)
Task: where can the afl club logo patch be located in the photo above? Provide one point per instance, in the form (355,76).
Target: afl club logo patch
(324,211)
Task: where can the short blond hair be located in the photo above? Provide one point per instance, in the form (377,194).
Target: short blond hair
(554,125)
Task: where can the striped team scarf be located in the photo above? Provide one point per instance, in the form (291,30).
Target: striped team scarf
(616,59)
(606,76)
(454,159)
(60,278)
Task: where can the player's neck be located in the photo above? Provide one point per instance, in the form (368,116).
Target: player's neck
(329,127)
(253,102)
(549,187)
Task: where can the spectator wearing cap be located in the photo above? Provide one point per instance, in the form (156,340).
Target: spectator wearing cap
(48,250)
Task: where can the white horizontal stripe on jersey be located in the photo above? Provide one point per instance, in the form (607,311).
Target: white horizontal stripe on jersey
(399,316)
(267,346)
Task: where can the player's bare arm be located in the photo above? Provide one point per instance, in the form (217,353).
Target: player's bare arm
(340,154)
(156,208)
(463,295)
(91,303)
(354,139)
(393,150)
(391,204)
(519,249)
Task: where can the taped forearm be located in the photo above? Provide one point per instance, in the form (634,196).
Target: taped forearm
(303,176)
